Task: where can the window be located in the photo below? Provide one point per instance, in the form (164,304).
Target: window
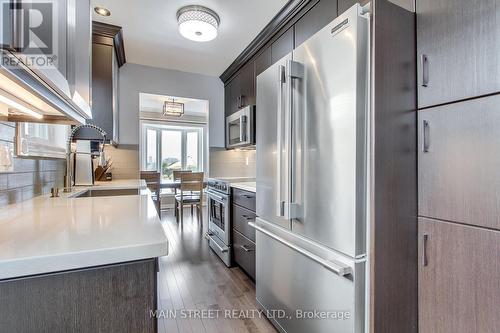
(166,148)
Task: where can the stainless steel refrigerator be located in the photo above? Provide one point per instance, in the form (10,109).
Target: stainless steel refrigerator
(312,136)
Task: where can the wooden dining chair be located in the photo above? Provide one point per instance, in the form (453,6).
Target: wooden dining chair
(177,177)
(152,179)
(191,193)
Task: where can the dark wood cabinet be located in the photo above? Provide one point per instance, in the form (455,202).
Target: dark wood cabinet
(244,253)
(247,85)
(112,298)
(243,212)
(240,217)
(282,46)
(314,20)
(458,42)
(263,61)
(458,275)
(240,91)
(244,199)
(107,56)
(232,93)
(458,162)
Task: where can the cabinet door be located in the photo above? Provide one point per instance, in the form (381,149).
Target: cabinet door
(227,99)
(232,92)
(102,91)
(459,162)
(314,20)
(459,289)
(102,87)
(282,46)
(244,253)
(263,61)
(461,42)
(247,87)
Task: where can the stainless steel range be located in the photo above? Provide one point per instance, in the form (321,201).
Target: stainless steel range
(219,228)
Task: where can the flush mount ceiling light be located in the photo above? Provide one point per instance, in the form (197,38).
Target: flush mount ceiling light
(102,11)
(173,108)
(198,23)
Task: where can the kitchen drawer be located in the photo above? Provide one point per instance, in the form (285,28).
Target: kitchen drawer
(244,199)
(244,253)
(240,218)
(459,162)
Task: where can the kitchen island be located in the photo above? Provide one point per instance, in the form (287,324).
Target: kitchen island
(85,261)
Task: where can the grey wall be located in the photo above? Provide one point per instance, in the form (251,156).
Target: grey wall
(30,177)
(134,79)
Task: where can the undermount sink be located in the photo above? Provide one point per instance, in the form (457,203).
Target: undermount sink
(106,193)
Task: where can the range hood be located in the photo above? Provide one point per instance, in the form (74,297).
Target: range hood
(26,97)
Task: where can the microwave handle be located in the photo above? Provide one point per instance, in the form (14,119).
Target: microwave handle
(243,128)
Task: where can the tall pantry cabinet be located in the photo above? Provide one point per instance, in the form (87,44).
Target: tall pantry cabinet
(458,48)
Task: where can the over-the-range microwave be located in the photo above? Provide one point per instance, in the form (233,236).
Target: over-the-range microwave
(240,128)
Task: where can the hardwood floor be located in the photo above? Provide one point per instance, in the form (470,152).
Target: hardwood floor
(196,290)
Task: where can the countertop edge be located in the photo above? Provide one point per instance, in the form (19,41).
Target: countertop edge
(244,187)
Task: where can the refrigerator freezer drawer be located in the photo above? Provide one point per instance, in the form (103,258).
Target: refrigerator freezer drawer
(302,294)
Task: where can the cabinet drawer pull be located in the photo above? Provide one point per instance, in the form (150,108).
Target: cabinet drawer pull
(426,136)
(245,248)
(425,261)
(425,71)
(248,218)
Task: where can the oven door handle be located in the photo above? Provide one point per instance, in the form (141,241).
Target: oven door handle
(216,197)
(208,236)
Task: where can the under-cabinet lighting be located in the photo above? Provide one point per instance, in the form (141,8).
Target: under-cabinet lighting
(15,105)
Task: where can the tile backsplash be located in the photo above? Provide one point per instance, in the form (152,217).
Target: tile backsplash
(27,177)
(125,161)
(232,163)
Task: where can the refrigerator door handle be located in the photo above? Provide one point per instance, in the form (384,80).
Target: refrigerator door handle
(280,203)
(295,71)
(333,266)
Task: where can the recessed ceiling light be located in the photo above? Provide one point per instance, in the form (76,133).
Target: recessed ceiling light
(102,11)
(198,23)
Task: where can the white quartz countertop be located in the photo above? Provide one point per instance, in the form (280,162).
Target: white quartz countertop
(247,186)
(46,234)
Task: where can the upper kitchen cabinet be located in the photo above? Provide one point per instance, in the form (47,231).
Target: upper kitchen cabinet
(45,68)
(247,85)
(107,56)
(232,95)
(240,91)
(263,61)
(282,46)
(458,43)
(314,20)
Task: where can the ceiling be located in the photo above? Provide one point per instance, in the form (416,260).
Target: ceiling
(151,35)
(154,103)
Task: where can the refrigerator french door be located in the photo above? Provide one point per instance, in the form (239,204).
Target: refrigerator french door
(312,141)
